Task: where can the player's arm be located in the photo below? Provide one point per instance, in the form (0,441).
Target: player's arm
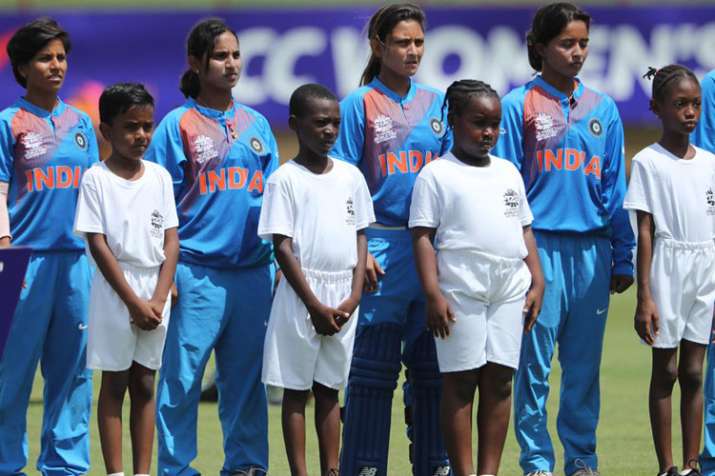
(352,302)
(5,236)
(647,321)
(510,145)
(439,314)
(139,310)
(166,273)
(535,296)
(704,134)
(324,317)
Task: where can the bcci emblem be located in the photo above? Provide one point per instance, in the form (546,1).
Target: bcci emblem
(256,145)
(595,127)
(80,140)
(436,126)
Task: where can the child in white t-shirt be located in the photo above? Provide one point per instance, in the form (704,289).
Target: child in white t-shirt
(126,212)
(671,190)
(315,209)
(470,207)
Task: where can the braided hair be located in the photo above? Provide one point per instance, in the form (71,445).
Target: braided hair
(666,76)
(459,92)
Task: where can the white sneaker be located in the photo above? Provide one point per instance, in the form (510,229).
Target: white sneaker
(539,473)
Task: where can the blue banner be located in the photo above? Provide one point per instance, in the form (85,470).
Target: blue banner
(283,48)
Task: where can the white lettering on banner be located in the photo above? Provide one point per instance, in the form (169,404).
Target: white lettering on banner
(618,57)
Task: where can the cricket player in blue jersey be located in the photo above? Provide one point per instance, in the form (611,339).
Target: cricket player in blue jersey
(567,140)
(219,154)
(391,127)
(45,147)
(704,137)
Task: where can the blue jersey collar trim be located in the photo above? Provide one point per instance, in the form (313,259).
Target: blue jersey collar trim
(377,84)
(212,113)
(578,92)
(40,112)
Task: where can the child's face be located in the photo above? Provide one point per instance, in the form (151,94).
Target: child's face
(476,129)
(224,65)
(130,132)
(318,127)
(403,48)
(566,53)
(679,110)
(46,70)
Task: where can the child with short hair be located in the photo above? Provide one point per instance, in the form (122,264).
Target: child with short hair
(315,208)
(477,260)
(127,213)
(671,191)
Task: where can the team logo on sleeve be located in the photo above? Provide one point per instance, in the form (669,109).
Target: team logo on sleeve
(595,127)
(204,149)
(512,201)
(710,199)
(545,127)
(349,212)
(157,224)
(81,140)
(256,145)
(436,126)
(384,130)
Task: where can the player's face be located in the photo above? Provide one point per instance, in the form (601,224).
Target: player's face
(130,132)
(680,109)
(224,64)
(402,50)
(45,72)
(476,129)
(318,128)
(565,54)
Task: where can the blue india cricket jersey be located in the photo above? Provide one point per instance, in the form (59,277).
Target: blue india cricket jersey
(43,156)
(390,138)
(219,161)
(570,154)
(704,135)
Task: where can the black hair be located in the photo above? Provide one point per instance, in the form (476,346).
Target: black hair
(200,44)
(298,104)
(381,25)
(119,98)
(665,76)
(459,92)
(30,39)
(549,21)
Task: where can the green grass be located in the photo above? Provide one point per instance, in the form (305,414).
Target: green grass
(624,434)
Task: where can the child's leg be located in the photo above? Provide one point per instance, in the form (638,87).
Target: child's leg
(662,378)
(456,418)
(327,425)
(142,416)
(690,377)
(493,415)
(109,418)
(293,419)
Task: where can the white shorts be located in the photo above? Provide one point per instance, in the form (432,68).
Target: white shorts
(489,318)
(114,342)
(294,355)
(682,280)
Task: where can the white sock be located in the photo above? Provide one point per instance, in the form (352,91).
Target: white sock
(140,474)
(686,472)
(121,473)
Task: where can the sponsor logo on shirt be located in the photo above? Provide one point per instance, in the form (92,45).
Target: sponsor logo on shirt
(545,128)
(81,140)
(32,143)
(404,162)
(383,129)
(157,224)
(595,127)
(570,160)
(349,212)
(204,149)
(512,200)
(710,199)
(52,177)
(256,145)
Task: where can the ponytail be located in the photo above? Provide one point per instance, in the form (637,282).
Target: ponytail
(190,85)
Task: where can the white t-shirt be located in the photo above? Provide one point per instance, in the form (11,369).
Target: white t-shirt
(678,193)
(320,212)
(481,209)
(132,214)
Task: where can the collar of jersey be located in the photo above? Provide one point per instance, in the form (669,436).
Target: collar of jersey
(40,112)
(212,113)
(563,98)
(377,84)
